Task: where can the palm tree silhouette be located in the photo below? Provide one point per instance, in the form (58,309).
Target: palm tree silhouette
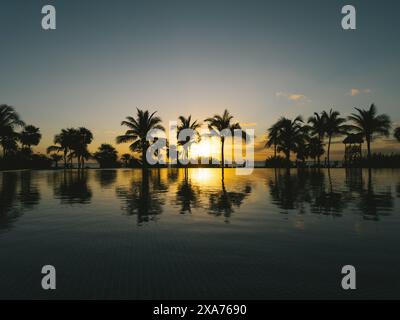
(137,132)
(81,137)
(126,157)
(397,133)
(291,135)
(334,126)
(370,125)
(56,157)
(222,126)
(315,149)
(62,143)
(9,120)
(30,136)
(192,129)
(273,135)
(317,128)
(106,156)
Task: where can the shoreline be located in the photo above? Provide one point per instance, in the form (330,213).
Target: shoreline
(227,168)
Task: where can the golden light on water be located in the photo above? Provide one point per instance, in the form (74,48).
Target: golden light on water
(203,176)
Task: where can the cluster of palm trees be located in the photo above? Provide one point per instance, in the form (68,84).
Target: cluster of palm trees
(72,143)
(13,141)
(139,126)
(308,139)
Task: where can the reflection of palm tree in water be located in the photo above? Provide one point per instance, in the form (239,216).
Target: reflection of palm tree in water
(398,190)
(29,194)
(106,178)
(373,205)
(328,202)
(223,202)
(73,187)
(291,192)
(287,191)
(141,199)
(8,198)
(187,195)
(12,201)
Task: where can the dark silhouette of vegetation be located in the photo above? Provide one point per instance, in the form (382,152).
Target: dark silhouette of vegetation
(73,143)
(13,156)
(370,125)
(317,131)
(286,136)
(334,126)
(126,158)
(222,126)
(106,156)
(56,158)
(307,141)
(137,132)
(30,136)
(192,136)
(397,134)
(272,141)
(276,162)
(290,136)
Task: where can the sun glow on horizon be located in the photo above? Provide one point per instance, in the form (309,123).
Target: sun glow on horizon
(207,147)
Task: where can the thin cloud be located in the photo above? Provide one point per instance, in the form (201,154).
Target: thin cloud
(294,97)
(355,92)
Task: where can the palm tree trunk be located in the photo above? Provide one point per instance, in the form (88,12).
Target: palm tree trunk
(275,146)
(65,159)
(369,151)
(329,150)
(222,152)
(144,162)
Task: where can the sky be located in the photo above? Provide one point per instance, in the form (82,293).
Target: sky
(259,59)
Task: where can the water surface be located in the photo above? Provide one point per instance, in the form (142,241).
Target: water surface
(172,233)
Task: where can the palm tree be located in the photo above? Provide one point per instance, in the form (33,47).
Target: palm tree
(30,136)
(317,128)
(370,125)
(106,156)
(291,135)
(397,133)
(9,120)
(56,157)
(82,137)
(315,149)
(273,134)
(9,144)
(187,124)
(62,143)
(334,126)
(126,157)
(222,126)
(137,132)
(301,148)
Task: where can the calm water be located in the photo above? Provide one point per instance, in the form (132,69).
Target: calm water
(171,234)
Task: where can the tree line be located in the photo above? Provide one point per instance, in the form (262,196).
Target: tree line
(309,139)
(312,139)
